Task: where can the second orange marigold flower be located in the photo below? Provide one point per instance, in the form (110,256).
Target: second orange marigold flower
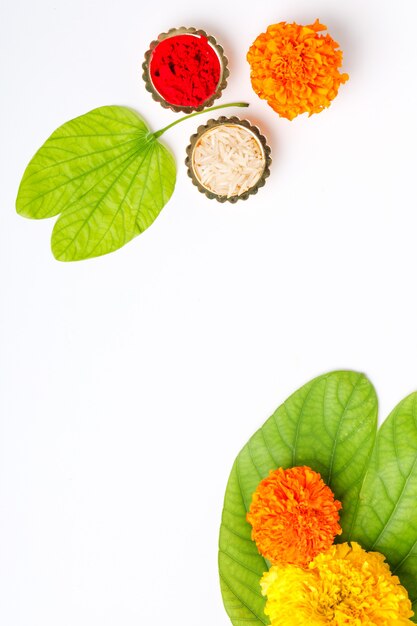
(294,516)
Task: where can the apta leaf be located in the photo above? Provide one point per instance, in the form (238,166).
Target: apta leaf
(386,518)
(106,174)
(330,425)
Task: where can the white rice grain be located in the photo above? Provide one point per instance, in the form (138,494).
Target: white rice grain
(228,160)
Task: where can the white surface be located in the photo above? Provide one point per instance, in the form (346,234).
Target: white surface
(130,382)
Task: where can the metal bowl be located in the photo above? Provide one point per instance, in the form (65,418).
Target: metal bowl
(224,72)
(261,140)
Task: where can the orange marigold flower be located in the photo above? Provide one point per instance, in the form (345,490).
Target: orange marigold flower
(294,516)
(295,69)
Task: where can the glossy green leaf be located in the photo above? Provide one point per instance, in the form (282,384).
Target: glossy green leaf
(386,517)
(106,175)
(330,425)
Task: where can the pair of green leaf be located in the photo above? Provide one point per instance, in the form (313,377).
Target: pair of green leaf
(108,177)
(329,424)
(106,174)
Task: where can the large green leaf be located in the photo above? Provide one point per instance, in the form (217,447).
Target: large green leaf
(386,517)
(106,174)
(330,425)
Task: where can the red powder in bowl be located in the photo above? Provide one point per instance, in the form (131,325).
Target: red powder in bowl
(185,70)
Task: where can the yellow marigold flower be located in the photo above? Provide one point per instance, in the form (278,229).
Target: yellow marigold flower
(294,516)
(295,69)
(345,586)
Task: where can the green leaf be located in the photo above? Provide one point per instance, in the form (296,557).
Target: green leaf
(330,425)
(107,176)
(386,519)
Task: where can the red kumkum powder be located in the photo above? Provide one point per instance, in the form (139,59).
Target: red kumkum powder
(185,70)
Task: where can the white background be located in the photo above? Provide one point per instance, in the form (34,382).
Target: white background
(130,382)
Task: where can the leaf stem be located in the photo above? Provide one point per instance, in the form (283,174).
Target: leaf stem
(187,117)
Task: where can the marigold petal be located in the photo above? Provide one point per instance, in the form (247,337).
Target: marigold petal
(344,586)
(294,516)
(296,56)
